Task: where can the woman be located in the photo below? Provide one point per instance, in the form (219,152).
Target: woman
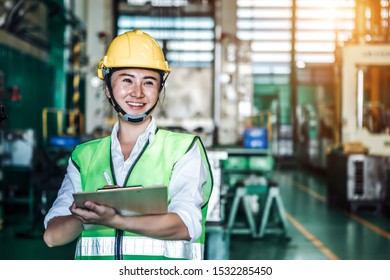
(134,71)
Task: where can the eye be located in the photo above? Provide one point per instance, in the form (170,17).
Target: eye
(126,80)
(150,82)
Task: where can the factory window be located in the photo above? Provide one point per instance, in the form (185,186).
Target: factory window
(319,25)
(267,25)
(187,40)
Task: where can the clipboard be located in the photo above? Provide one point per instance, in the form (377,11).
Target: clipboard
(129,201)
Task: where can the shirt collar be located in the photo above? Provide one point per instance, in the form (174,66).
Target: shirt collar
(148,134)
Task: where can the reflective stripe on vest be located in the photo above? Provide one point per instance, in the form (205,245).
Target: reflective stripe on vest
(139,245)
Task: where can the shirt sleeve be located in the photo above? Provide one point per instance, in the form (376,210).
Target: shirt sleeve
(70,184)
(186,191)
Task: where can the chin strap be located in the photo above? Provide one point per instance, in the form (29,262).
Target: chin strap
(137,119)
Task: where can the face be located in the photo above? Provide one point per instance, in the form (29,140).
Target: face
(135,90)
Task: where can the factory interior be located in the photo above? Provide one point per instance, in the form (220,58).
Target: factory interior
(291,99)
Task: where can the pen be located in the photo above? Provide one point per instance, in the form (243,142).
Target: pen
(107,177)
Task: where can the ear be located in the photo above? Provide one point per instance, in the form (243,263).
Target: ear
(106,91)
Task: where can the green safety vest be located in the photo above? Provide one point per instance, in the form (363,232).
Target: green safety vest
(153,166)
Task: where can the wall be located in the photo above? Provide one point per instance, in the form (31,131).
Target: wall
(35,80)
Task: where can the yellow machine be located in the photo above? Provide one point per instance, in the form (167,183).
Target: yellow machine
(60,118)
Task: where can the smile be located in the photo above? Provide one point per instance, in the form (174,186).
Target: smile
(135,104)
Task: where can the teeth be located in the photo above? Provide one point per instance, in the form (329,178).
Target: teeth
(135,104)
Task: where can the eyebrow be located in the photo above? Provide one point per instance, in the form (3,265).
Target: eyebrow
(144,78)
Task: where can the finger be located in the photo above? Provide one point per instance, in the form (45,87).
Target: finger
(96,208)
(89,205)
(72,207)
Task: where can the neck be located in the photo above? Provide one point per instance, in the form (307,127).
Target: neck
(128,132)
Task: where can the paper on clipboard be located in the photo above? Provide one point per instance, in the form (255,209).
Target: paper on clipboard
(131,201)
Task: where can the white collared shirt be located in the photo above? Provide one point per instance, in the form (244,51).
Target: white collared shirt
(185,189)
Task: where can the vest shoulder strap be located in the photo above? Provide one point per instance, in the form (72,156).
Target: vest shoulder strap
(87,150)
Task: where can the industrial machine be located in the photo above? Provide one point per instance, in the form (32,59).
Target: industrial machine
(358,181)
(365,96)
(365,180)
(358,170)
(359,175)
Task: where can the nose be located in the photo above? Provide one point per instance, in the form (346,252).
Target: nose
(136,91)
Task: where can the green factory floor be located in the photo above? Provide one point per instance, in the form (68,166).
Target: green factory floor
(317,231)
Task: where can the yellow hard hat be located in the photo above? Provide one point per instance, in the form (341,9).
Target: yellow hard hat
(133,49)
